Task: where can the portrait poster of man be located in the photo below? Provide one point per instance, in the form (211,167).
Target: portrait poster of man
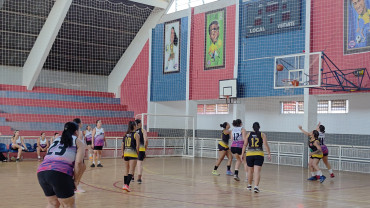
(171,57)
(214,54)
(356,26)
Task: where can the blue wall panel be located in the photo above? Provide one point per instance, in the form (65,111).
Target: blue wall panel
(171,86)
(256,58)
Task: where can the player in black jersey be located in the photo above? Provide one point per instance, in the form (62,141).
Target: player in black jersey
(130,151)
(321,129)
(223,147)
(315,155)
(255,155)
(143,146)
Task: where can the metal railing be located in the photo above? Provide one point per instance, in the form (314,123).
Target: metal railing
(341,157)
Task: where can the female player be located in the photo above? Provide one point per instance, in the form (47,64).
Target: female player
(130,152)
(88,137)
(97,142)
(325,151)
(17,143)
(223,148)
(315,155)
(62,168)
(42,145)
(238,136)
(143,146)
(255,155)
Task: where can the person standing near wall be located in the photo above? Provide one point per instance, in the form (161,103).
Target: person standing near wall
(97,143)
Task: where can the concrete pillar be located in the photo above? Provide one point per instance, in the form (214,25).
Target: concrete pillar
(44,42)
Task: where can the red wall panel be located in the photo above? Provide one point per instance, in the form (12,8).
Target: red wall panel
(204,83)
(134,88)
(327,35)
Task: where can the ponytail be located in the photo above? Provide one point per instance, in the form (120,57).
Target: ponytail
(130,127)
(69,130)
(256,127)
(223,125)
(237,123)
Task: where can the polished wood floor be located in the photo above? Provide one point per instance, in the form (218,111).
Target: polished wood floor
(187,182)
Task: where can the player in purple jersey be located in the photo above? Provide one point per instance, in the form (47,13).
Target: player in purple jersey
(88,138)
(62,168)
(238,135)
(97,143)
(42,145)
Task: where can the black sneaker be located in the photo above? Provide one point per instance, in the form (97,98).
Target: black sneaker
(99,165)
(139,181)
(256,190)
(92,165)
(249,188)
(17,160)
(132,179)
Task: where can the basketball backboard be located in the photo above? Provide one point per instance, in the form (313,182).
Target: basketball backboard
(227,88)
(299,70)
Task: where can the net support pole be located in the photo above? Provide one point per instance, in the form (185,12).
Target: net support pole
(44,42)
(310,101)
(238,111)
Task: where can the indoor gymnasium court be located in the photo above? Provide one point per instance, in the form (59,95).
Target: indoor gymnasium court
(184,103)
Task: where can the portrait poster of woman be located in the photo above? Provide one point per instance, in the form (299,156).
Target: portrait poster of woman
(171,57)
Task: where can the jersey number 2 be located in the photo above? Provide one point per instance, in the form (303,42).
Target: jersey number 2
(61,152)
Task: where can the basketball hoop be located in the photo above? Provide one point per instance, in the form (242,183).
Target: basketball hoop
(290,82)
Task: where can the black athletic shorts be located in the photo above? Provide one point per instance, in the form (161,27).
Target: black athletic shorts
(236,150)
(98,147)
(255,160)
(221,148)
(129,158)
(141,155)
(56,183)
(88,142)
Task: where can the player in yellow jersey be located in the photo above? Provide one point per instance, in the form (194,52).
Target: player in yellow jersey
(255,155)
(130,152)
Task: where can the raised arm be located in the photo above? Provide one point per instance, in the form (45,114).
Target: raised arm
(123,146)
(318,127)
(267,147)
(303,131)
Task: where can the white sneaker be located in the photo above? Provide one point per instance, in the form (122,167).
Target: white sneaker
(79,190)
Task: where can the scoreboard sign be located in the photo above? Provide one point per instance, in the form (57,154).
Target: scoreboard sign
(272,16)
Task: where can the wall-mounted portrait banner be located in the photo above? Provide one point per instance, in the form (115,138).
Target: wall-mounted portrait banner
(214,53)
(356,26)
(171,56)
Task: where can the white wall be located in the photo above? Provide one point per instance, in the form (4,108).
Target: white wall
(11,75)
(71,80)
(177,108)
(267,111)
